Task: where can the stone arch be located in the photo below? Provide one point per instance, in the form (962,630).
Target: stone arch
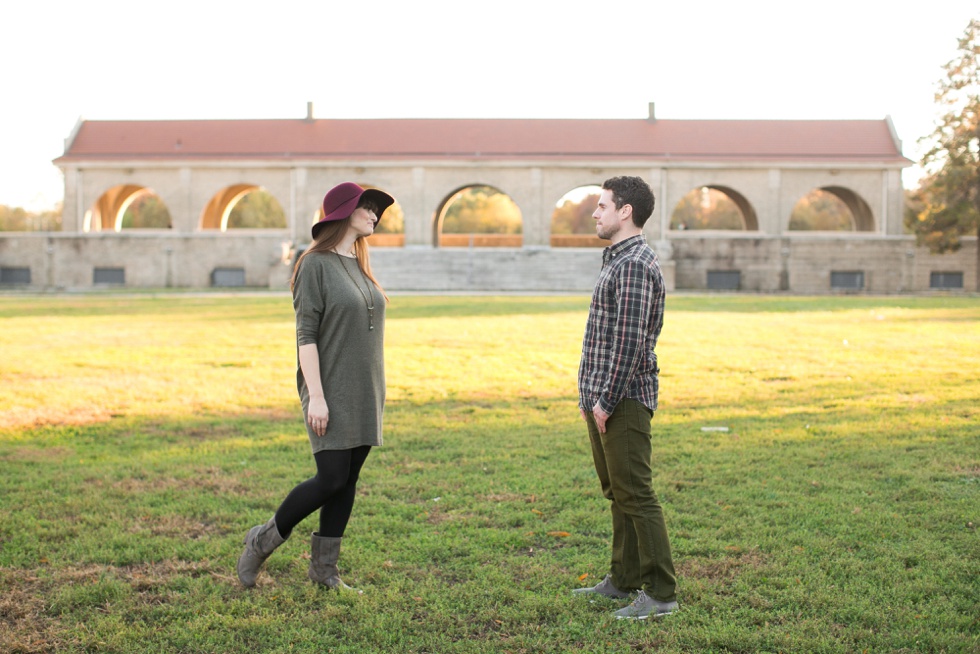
(489,218)
(861,217)
(111,211)
(714,206)
(572,224)
(220,212)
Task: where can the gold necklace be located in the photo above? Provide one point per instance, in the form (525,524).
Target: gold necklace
(368,304)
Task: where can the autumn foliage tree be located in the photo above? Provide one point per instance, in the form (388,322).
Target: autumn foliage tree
(706,208)
(946,206)
(575,216)
(392,222)
(481,210)
(257,210)
(147,212)
(821,211)
(17,219)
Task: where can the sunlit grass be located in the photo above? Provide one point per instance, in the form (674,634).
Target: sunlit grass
(141,436)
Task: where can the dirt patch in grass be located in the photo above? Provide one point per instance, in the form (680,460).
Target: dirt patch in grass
(25,626)
(507,497)
(211,479)
(970,472)
(78,416)
(721,570)
(37,454)
(414,466)
(28,622)
(177,526)
(144,576)
(437,516)
(216,427)
(45,416)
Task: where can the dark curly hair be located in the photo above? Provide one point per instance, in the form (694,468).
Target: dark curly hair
(634,192)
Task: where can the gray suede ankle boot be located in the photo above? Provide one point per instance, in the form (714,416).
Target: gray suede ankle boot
(324,553)
(260,542)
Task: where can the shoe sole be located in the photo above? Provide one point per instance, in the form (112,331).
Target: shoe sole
(644,617)
(592,592)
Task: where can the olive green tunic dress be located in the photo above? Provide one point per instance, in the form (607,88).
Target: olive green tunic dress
(332,313)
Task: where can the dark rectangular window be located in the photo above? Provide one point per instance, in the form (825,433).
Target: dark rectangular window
(109,276)
(15,275)
(847,279)
(228,277)
(945,280)
(724,280)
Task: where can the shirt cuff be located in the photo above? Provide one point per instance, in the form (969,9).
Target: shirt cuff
(305,339)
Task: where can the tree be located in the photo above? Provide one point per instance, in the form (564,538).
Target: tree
(706,208)
(146,212)
(481,210)
(50,220)
(946,205)
(17,219)
(13,219)
(575,217)
(821,211)
(257,210)
(392,221)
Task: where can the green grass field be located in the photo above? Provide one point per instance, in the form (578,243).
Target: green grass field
(141,436)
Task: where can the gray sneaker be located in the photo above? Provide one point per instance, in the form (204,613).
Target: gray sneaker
(604,587)
(644,607)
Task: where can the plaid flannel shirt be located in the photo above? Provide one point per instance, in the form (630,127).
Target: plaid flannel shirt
(625,318)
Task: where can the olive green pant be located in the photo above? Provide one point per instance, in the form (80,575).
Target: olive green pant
(640,547)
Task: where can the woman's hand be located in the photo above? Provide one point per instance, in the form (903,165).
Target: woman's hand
(318,415)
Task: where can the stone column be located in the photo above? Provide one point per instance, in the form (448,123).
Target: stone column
(895,202)
(71,214)
(537,220)
(418,230)
(659,223)
(658,227)
(300,216)
(771,218)
(186,217)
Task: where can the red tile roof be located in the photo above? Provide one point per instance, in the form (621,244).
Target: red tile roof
(842,141)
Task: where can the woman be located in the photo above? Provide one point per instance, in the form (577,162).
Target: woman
(340,319)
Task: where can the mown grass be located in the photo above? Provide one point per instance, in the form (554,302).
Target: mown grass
(140,436)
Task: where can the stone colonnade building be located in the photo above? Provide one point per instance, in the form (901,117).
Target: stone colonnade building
(199,169)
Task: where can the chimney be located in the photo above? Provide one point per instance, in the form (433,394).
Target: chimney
(309,111)
(651,116)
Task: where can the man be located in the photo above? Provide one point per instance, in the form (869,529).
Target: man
(618,389)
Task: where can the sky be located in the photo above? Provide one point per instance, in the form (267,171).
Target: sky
(63,61)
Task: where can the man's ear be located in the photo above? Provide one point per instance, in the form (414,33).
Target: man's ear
(627,211)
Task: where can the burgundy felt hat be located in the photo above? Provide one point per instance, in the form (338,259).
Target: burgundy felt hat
(342,199)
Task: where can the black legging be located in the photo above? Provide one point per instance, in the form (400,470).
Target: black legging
(331,491)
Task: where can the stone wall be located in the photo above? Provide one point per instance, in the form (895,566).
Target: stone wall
(541,270)
(797,264)
(157,260)
(806,264)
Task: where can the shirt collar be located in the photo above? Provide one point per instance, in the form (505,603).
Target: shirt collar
(615,250)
